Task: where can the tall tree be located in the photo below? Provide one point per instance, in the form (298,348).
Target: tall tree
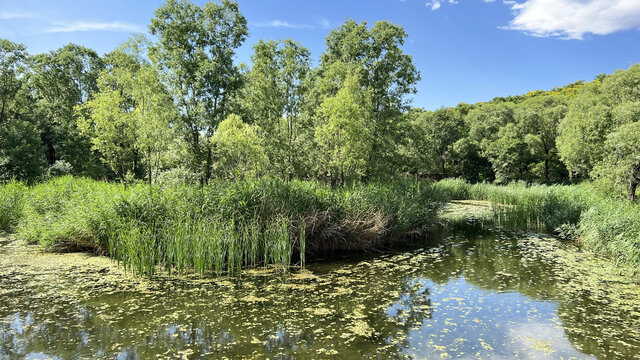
(129,119)
(619,170)
(434,134)
(274,98)
(383,69)
(345,137)
(61,80)
(21,151)
(195,51)
(598,110)
(539,118)
(13,67)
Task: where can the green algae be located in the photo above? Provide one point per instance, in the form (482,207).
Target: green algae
(487,296)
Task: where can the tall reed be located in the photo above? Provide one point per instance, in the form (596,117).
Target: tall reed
(224,226)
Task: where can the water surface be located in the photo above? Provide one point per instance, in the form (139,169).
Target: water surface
(489,296)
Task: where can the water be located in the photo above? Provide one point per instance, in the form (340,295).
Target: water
(465,296)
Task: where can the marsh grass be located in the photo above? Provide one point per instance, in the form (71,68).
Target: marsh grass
(223,227)
(609,227)
(11,204)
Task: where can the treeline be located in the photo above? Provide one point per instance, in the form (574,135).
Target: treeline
(176,107)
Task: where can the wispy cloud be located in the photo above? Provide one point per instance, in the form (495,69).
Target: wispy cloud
(76,26)
(323,23)
(434,5)
(9,15)
(437,4)
(320,22)
(573,19)
(282,24)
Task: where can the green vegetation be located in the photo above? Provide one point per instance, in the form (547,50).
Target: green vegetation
(606,226)
(320,154)
(223,226)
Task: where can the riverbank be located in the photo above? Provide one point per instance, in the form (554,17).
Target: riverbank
(607,227)
(222,226)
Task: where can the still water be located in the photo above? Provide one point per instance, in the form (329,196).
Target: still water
(464,296)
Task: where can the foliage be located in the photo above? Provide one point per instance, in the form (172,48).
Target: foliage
(22,152)
(224,225)
(238,149)
(375,54)
(195,49)
(599,110)
(274,98)
(62,80)
(345,137)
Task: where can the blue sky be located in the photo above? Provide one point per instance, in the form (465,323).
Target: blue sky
(465,50)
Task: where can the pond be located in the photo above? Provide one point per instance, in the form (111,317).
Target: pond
(462,295)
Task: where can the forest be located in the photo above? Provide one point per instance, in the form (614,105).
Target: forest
(175,106)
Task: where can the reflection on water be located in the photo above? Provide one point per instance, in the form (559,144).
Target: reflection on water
(469,297)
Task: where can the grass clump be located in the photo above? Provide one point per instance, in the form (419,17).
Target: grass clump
(11,204)
(223,226)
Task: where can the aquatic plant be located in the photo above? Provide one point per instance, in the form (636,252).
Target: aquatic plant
(606,226)
(223,226)
(11,194)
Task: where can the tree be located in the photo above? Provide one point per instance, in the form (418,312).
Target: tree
(538,118)
(195,49)
(274,96)
(597,111)
(434,134)
(62,80)
(345,137)
(13,58)
(484,123)
(620,168)
(508,154)
(383,69)
(22,152)
(129,119)
(238,149)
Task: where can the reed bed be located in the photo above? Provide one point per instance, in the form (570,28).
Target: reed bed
(223,227)
(607,226)
(11,203)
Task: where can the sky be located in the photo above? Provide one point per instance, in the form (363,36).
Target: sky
(466,50)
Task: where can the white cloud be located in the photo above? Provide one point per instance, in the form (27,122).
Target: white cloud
(8,15)
(283,24)
(572,19)
(76,26)
(435,5)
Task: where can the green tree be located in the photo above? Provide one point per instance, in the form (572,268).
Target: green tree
(620,168)
(239,150)
(195,50)
(129,119)
(375,53)
(22,152)
(434,134)
(274,97)
(345,136)
(597,111)
(13,66)
(61,80)
(539,118)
